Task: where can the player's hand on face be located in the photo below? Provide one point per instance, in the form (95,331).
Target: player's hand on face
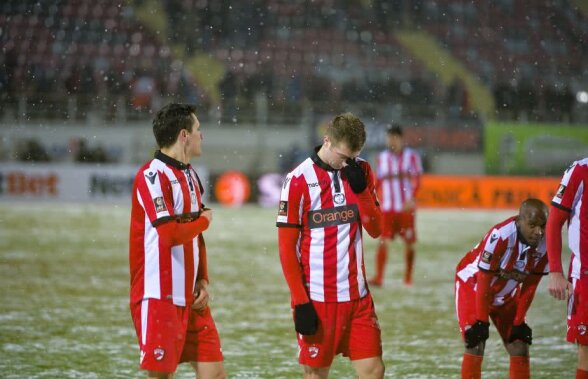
(355,175)
(207,213)
(476,333)
(200,298)
(559,287)
(305,319)
(521,332)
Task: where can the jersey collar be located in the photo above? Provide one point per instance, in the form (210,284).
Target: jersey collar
(315,158)
(171,161)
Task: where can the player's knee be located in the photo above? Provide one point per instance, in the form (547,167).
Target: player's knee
(159,375)
(476,350)
(377,370)
(315,372)
(583,357)
(372,370)
(518,348)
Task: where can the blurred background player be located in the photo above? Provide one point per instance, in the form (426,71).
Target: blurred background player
(324,204)
(498,280)
(569,204)
(169,275)
(398,171)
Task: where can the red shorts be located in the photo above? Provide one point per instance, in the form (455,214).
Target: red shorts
(465,305)
(350,328)
(401,223)
(169,334)
(578,312)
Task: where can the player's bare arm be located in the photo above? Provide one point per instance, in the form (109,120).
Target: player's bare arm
(559,287)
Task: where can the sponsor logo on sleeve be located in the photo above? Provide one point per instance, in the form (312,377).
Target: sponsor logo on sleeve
(151,176)
(159,204)
(283,209)
(560,191)
(486,256)
(333,216)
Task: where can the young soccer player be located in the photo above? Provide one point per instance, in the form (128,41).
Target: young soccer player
(169,279)
(325,204)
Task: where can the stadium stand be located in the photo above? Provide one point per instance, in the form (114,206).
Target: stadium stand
(77,59)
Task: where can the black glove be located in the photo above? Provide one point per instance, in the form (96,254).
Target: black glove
(305,319)
(355,176)
(476,334)
(521,332)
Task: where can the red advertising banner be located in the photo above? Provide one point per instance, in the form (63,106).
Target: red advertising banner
(441,191)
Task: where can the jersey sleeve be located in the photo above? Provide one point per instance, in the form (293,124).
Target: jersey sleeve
(417,164)
(154,195)
(291,199)
(492,248)
(369,208)
(565,195)
(371,180)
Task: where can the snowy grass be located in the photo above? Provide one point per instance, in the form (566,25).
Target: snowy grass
(64,279)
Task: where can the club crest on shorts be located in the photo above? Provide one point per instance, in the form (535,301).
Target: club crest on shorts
(313,351)
(158,353)
(159,204)
(581,329)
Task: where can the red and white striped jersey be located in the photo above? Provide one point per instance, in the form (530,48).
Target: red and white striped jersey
(396,174)
(164,190)
(507,257)
(319,200)
(572,196)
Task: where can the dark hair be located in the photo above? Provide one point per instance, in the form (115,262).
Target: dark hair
(170,120)
(349,129)
(394,129)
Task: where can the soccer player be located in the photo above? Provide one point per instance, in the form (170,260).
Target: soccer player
(325,204)
(569,204)
(169,279)
(497,280)
(398,170)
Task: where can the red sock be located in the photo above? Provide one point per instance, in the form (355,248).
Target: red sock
(519,367)
(381,258)
(471,366)
(581,374)
(409,258)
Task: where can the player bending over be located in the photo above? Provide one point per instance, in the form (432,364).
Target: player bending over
(497,280)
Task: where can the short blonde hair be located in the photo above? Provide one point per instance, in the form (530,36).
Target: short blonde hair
(347,128)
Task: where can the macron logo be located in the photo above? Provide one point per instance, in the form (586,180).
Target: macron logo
(493,238)
(151,176)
